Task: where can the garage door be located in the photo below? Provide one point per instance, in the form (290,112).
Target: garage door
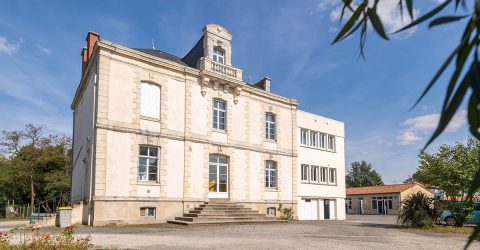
(309,209)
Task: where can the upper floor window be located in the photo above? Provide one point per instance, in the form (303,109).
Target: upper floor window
(331,142)
(313,138)
(150,100)
(304,174)
(148,164)
(303,136)
(270,174)
(323,175)
(218,55)
(332,175)
(219,114)
(314,174)
(270,126)
(322,138)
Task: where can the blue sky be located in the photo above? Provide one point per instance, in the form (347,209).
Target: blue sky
(289,41)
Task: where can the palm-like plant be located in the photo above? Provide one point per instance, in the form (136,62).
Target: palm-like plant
(417,210)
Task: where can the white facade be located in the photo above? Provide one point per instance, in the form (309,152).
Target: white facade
(157,135)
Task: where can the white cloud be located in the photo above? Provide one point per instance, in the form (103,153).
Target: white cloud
(9,47)
(420,126)
(47,51)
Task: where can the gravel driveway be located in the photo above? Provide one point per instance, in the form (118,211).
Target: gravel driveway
(357,232)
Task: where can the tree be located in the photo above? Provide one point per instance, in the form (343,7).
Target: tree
(363,13)
(35,165)
(451,168)
(417,211)
(362,174)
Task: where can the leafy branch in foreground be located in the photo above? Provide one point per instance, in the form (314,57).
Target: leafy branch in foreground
(363,13)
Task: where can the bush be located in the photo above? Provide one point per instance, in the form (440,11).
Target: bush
(417,211)
(286,212)
(34,238)
(462,212)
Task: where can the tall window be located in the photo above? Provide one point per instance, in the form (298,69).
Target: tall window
(303,136)
(313,138)
(270,126)
(270,174)
(332,175)
(304,173)
(314,174)
(322,138)
(150,100)
(331,142)
(323,175)
(219,114)
(218,55)
(148,164)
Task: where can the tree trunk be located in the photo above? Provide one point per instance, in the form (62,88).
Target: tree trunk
(32,195)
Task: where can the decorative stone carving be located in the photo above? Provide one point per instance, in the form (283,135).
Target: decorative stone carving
(236,94)
(215,85)
(203,85)
(226,88)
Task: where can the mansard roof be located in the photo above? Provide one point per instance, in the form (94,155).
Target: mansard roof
(163,55)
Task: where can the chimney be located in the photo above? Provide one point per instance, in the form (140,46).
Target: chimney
(263,84)
(92,38)
(84,59)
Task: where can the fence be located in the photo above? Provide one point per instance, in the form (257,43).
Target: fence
(10,210)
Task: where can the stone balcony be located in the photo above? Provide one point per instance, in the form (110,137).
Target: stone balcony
(222,69)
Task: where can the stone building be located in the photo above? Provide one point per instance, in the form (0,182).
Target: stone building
(156,135)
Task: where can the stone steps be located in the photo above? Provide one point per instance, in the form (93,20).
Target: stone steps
(222,212)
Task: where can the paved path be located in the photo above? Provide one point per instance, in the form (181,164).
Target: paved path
(6,226)
(357,232)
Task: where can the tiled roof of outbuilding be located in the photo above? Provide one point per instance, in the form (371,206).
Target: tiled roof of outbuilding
(385,189)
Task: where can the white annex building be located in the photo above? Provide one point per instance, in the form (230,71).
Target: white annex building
(157,137)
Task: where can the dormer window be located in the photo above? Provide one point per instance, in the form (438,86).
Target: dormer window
(218,55)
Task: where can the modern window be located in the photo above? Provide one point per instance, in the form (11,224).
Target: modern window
(148,164)
(374,203)
(150,100)
(219,114)
(148,212)
(271,212)
(303,136)
(304,173)
(313,138)
(270,174)
(322,140)
(332,175)
(331,142)
(390,204)
(314,174)
(323,175)
(349,203)
(218,55)
(270,126)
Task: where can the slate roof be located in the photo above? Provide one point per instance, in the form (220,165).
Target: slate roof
(385,189)
(163,55)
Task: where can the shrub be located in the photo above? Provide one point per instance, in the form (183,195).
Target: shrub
(286,212)
(417,211)
(461,211)
(34,238)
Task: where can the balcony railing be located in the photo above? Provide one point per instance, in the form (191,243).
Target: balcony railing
(222,69)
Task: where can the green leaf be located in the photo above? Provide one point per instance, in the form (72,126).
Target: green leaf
(446,19)
(348,25)
(426,16)
(474,120)
(410,8)
(452,108)
(376,23)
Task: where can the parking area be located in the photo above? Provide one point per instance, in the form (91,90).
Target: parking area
(357,232)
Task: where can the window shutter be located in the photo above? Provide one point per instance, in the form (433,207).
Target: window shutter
(150,100)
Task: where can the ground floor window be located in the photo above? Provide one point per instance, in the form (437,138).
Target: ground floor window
(348,201)
(148,212)
(148,163)
(270,174)
(271,212)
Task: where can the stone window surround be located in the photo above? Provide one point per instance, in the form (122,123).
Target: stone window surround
(158,164)
(270,170)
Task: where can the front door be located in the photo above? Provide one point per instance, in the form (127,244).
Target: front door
(218,177)
(382,206)
(326,209)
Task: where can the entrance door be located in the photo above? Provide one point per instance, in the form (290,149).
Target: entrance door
(360,207)
(218,177)
(310,209)
(326,209)
(381,207)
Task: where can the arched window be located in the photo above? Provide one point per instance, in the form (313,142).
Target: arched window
(150,100)
(218,55)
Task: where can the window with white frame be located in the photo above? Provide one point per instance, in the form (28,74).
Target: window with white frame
(148,164)
(270,174)
(148,212)
(332,175)
(219,114)
(218,55)
(303,136)
(304,174)
(322,138)
(271,212)
(270,126)
(323,175)
(331,142)
(150,100)
(314,174)
(313,138)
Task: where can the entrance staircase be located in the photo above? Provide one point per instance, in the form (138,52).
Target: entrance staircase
(223,212)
